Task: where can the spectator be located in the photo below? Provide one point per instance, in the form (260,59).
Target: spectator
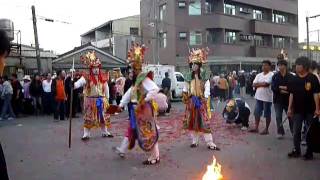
(68,84)
(223,87)
(213,94)
(7,96)
(17,94)
(279,87)
(47,99)
(314,69)
(4,52)
(27,100)
(36,92)
(303,104)
(166,87)
(59,95)
(263,97)
(242,83)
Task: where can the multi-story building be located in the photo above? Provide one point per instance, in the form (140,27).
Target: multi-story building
(240,33)
(114,36)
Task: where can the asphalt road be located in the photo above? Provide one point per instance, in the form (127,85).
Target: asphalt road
(36,148)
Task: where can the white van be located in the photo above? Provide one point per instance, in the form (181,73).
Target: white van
(177,79)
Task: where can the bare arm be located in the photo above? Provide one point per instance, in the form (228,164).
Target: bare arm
(257,85)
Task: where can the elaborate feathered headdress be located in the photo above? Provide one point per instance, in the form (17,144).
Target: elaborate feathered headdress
(283,55)
(90,59)
(136,56)
(199,56)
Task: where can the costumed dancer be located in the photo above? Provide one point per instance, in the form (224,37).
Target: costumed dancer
(143,108)
(96,94)
(195,96)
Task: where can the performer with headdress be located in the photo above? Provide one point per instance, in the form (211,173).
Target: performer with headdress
(197,117)
(141,100)
(96,94)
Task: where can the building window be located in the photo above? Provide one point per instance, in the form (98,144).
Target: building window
(182,35)
(195,38)
(195,8)
(211,36)
(259,40)
(230,9)
(278,42)
(162,11)
(163,39)
(230,37)
(134,31)
(279,19)
(209,6)
(181,4)
(257,14)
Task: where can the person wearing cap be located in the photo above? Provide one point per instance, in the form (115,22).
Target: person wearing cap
(143,109)
(279,86)
(27,99)
(195,95)
(119,84)
(96,95)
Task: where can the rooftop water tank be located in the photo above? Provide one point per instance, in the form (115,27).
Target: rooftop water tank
(7,26)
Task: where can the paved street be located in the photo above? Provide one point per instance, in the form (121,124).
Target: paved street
(36,148)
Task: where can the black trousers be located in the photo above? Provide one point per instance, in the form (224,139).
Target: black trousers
(60,110)
(3,166)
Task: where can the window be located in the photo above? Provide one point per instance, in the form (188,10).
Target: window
(162,11)
(181,4)
(257,14)
(179,78)
(211,36)
(230,37)
(279,19)
(195,8)
(163,39)
(259,40)
(134,31)
(278,42)
(209,6)
(244,10)
(230,9)
(182,35)
(195,38)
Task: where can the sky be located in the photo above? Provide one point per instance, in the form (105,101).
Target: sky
(84,15)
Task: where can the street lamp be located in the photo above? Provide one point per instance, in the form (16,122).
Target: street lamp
(308,41)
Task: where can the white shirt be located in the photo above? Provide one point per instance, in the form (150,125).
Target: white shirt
(207,89)
(264,93)
(46,86)
(82,82)
(150,87)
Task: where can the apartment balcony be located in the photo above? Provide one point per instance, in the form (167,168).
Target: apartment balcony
(105,43)
(280,5)
(229,50)
(263,27)
(269,52)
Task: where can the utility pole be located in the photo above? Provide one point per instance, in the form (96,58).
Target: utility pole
(35,30)
(308,41)
(156,34)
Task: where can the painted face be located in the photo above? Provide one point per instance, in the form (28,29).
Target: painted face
(95,71)
(195,67)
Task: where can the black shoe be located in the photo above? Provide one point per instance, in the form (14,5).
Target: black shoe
(308,156)
(85,138)
(294,154)
(151,162)
(194,145)
(107,135)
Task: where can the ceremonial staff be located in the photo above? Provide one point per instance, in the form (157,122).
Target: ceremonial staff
(72,70)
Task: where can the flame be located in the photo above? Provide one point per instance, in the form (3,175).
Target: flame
(213,171)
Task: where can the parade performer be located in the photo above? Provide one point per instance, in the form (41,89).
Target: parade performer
(96,94)
(141,100)
(195,96)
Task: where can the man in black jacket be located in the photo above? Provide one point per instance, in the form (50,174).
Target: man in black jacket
(4,52)
(279,87)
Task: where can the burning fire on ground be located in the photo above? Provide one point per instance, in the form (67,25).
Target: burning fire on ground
(213,171)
